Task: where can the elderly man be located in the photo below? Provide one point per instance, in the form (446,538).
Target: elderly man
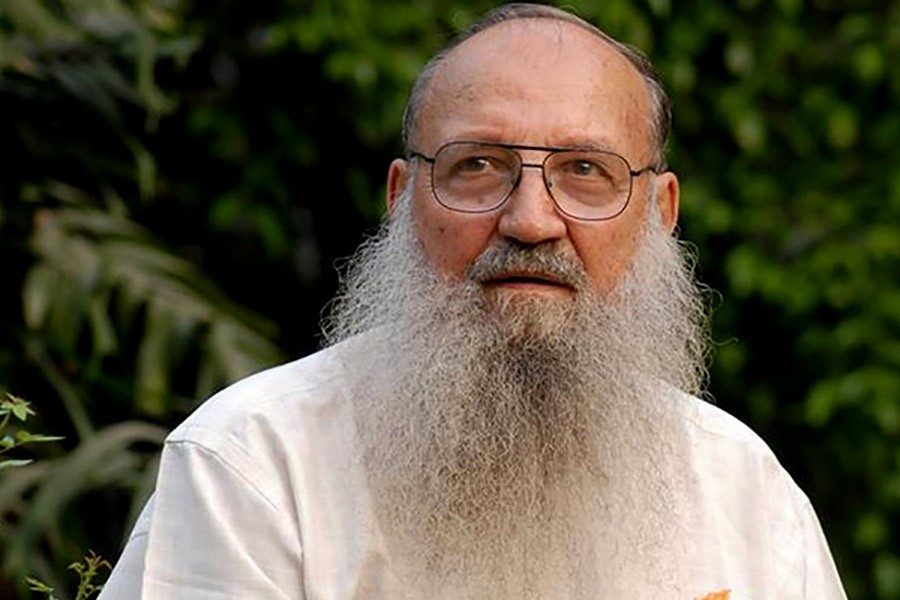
(504,409)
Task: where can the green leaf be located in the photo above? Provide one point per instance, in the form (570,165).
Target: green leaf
(9,464)
(15,405)
(37,586)
(21,410)
(36,438)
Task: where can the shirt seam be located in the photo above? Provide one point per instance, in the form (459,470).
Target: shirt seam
(221,459)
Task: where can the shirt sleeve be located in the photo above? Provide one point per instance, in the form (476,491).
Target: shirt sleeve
(811,574)
(211,532)
(821,578)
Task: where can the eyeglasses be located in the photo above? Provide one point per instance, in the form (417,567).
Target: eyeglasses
(476,177)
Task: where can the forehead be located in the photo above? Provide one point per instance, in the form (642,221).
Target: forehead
(538,82)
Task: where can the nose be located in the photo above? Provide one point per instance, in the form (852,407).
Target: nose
(529,214)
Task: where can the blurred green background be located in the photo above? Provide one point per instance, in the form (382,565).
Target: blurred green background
(178,179)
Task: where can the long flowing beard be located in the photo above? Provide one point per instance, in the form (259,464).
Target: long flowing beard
(505,445)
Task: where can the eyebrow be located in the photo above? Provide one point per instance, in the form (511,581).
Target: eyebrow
(554,148)
(580,143)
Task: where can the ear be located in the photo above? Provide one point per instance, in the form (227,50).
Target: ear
(668,193)
(398,174)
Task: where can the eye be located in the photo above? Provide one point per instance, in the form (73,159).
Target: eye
(595,169)
(473,164)
(585,168)
(479,165)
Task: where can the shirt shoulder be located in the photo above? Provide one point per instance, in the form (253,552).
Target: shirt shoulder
(707,419)
(278,429)
(271,399)
(732,460)
(717,436)
(749,494)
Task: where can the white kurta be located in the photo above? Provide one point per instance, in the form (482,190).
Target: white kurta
(259,496)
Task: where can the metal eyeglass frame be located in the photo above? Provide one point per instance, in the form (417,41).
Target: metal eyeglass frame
(550,150)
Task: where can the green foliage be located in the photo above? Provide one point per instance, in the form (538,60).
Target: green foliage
(43,527)
(12,438)
(87,568)
(784,139)
(96,271)
(112,324)
(35,501)
(178,168)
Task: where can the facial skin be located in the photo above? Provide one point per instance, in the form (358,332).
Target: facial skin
(536,82)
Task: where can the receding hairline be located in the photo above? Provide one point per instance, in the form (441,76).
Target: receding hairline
(660,113)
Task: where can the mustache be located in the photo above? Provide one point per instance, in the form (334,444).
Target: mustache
(543,261)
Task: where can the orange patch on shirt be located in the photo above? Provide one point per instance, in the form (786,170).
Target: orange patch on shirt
(720,595)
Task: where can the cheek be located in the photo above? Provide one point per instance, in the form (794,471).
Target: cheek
(606,253)
(452,241)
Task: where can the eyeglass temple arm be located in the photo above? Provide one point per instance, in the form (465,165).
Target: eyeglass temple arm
(410,154)
(640,172)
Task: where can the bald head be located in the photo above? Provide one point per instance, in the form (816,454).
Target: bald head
(540,82)
(657,116)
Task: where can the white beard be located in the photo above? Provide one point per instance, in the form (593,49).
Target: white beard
(522,449)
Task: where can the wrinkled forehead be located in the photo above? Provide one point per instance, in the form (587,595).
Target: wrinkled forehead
(544,79)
